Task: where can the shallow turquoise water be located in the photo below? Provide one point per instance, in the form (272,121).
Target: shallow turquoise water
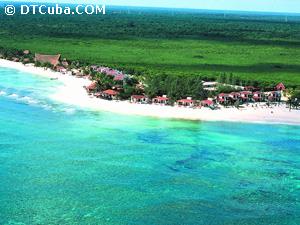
(64,165)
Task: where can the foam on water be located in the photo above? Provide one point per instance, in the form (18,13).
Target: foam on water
(2,93)
(47,107)
(42,103)
(69,110)
(35,100)
(19,98)
(29,100)
(15,96)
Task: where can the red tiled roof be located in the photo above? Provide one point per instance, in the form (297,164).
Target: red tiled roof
(138,96)
(280,86)
(92,86)
(110,92)
(223,95)
(161,98)
(186,101)
(207,102)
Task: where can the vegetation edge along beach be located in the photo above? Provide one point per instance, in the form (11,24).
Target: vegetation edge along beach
(85,87)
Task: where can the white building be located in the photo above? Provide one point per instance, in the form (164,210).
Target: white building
(210,86)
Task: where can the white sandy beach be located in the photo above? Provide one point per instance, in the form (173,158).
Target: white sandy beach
(72,92)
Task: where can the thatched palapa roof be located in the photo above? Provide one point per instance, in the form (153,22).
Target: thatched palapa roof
(52,59)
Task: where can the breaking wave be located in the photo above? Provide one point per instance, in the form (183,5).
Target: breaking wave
(28,100)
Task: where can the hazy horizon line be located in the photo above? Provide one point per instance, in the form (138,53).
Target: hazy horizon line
(162,7)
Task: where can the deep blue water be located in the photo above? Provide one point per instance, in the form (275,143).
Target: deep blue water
(63,165)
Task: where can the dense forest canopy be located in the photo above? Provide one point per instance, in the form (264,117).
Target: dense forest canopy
(260,47)
(163,23)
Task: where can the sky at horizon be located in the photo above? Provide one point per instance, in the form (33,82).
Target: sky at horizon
(288,6)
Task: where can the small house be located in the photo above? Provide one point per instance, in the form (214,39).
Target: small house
(258,96)
(234,95)
(110,94)
(188,102)
(210,86)
(207,103)
(139,99)
(280,87)
(223,98)
(92,87)
(274,96)
(164,100)
(246,96)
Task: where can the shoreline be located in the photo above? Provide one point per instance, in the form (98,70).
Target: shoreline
(72,92)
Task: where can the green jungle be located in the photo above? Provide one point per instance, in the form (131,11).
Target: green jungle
(251,48)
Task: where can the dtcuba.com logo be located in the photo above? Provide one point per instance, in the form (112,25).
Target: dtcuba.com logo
(56,9)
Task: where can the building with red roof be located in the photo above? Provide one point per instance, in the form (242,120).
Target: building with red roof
(280,87)
(110,94)
(139,99)
(92,87)
(223,98)
(186,102)
(207,103)
(274,96)
(164,100)
(258,96)
(246,96)
(235,95)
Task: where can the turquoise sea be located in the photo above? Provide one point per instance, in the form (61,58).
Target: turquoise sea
(64,165)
